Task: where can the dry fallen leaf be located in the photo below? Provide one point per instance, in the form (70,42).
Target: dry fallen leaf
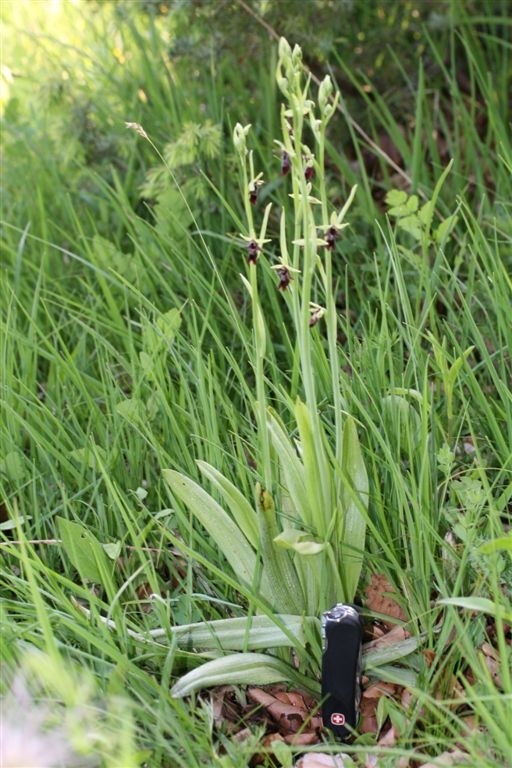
(382,598)
(321,760)
(454,757)
(291,717)
(369,702)
(388,739)
(394,636)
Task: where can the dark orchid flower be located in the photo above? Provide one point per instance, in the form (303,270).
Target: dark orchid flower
(309,173)
(330,238)
(285,164)
(284,278)
(253,250)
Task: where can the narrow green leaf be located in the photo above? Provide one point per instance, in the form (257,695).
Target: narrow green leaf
(257,633)
(315,468)
(224,532)
(283,581)
(242,669)
(455,368)
(292,469)
(376,657)
(429,212)
(480,604)
(354,524)
(84,551)
(241,511)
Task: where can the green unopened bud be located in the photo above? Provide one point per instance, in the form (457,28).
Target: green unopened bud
(239,134)
(282,83)
(285,52)
(315,127)
(324,93)
(297,56)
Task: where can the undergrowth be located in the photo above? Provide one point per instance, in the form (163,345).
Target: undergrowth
(127,347)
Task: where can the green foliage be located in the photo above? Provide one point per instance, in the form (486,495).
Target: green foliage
(183,161)
(128,343)
(84,551)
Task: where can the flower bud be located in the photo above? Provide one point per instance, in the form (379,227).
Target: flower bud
(324,93)
(297,56)
(282,83)
(285,51)
(239,134)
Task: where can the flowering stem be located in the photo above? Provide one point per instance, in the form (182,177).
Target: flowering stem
(330,311)
(259,374)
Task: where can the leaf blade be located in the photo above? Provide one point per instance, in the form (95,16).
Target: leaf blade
(224,532)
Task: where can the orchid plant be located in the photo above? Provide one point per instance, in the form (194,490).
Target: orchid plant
(297,548)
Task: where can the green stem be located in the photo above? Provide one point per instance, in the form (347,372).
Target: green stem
(259,373)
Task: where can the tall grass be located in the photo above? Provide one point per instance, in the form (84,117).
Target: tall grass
(126,347)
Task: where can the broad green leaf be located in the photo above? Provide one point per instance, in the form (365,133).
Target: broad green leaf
(480,604)
(84,551)
(503,543)
(9,525)
(354,528)
(300,541)
(444,229)
(403,421)
(257,633)
(132,409)
(12,467)
(285,588)
(398,211)
(376,657)
(292,469)
(405,206)
(90,456)
(113,549)
(397,675)
(141,493)
(241,511)
(242,669)
(425,213)
(169,323)
(412,225)
(396,197)
(146,363)
(412,204)
(224,532)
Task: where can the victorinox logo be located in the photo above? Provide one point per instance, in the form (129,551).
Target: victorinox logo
(337,718)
